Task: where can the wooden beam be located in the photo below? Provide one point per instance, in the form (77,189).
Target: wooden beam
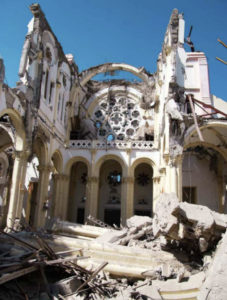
(14,275)
(195,120)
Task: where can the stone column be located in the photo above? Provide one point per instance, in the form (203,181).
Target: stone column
(17,187)
(63,196)
(221,186)
(56,194)
(127,198)
(156,190)
(92,197)
(42,194)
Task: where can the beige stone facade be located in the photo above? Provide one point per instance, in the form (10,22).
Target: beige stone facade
(71,146)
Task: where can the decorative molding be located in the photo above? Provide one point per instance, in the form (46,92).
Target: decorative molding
(104,145)
(128,180)
(93,179)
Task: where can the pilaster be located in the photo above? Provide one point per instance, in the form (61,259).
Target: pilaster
(40,214)
(17,187)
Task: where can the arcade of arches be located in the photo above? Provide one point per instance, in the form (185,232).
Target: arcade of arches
(111,190)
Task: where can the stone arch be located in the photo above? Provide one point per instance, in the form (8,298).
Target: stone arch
(206,145)
(145,160)
(110,157)
(214,131)
(57,160)
(20,138)
(78,170)
(40,148)
(86,75)
(142,171)
(73,160)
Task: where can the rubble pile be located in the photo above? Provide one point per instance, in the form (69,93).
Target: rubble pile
(57,273)
(195,227)
(176,248)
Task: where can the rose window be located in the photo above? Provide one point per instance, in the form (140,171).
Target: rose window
(117,118)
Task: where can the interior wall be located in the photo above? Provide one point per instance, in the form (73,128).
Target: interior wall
(109,194)
(143,189)
(197,173)
(77,192)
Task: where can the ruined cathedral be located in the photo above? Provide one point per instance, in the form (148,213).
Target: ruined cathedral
(72,146)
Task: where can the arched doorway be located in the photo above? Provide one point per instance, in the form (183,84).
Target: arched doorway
(204,177)
(31,184)
(77,192)
(143,190)
(7,143)
(109,204)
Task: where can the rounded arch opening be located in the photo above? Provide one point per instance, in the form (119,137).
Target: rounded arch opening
(11,118)
(143,189)
(77,192)
(110,186)
(6,168)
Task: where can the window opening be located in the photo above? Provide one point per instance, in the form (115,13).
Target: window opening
(46,84)
(189,194)
(51,91)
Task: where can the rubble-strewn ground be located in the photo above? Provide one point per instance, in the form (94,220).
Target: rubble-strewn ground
(172,256)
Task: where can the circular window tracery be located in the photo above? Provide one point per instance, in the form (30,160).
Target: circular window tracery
(118,117)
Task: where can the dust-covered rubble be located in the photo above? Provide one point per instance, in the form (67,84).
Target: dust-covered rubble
(172,254)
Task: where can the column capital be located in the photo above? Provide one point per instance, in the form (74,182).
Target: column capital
(128,179)
(156,179)
(93,179)
(45,168)
(21,154)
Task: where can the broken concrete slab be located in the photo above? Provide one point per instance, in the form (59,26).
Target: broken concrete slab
(138,221)
(164,222)
(195,227)
(215,286)
(112,236)
(75,229)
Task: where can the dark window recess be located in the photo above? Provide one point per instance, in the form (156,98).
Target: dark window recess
(114,178)
(80,215)
(112,216)
(120,137)
(143,213)
(189,194)
(48,55)
(74,135)
(46,84)
(149,137)
(98,113)
(51,91)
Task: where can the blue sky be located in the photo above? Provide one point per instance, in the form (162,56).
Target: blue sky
(130,31)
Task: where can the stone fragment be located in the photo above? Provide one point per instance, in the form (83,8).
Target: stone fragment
(150,292)
(203,245)
(215,286)
(164,222)
(112,236)
(139,221)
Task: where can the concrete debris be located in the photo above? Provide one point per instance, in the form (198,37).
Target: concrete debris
(173,110)
(167,256)
(164,222)
(215,286)
(138,221)
(195,227)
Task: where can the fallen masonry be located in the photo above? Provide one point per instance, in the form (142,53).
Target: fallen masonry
(179,254)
